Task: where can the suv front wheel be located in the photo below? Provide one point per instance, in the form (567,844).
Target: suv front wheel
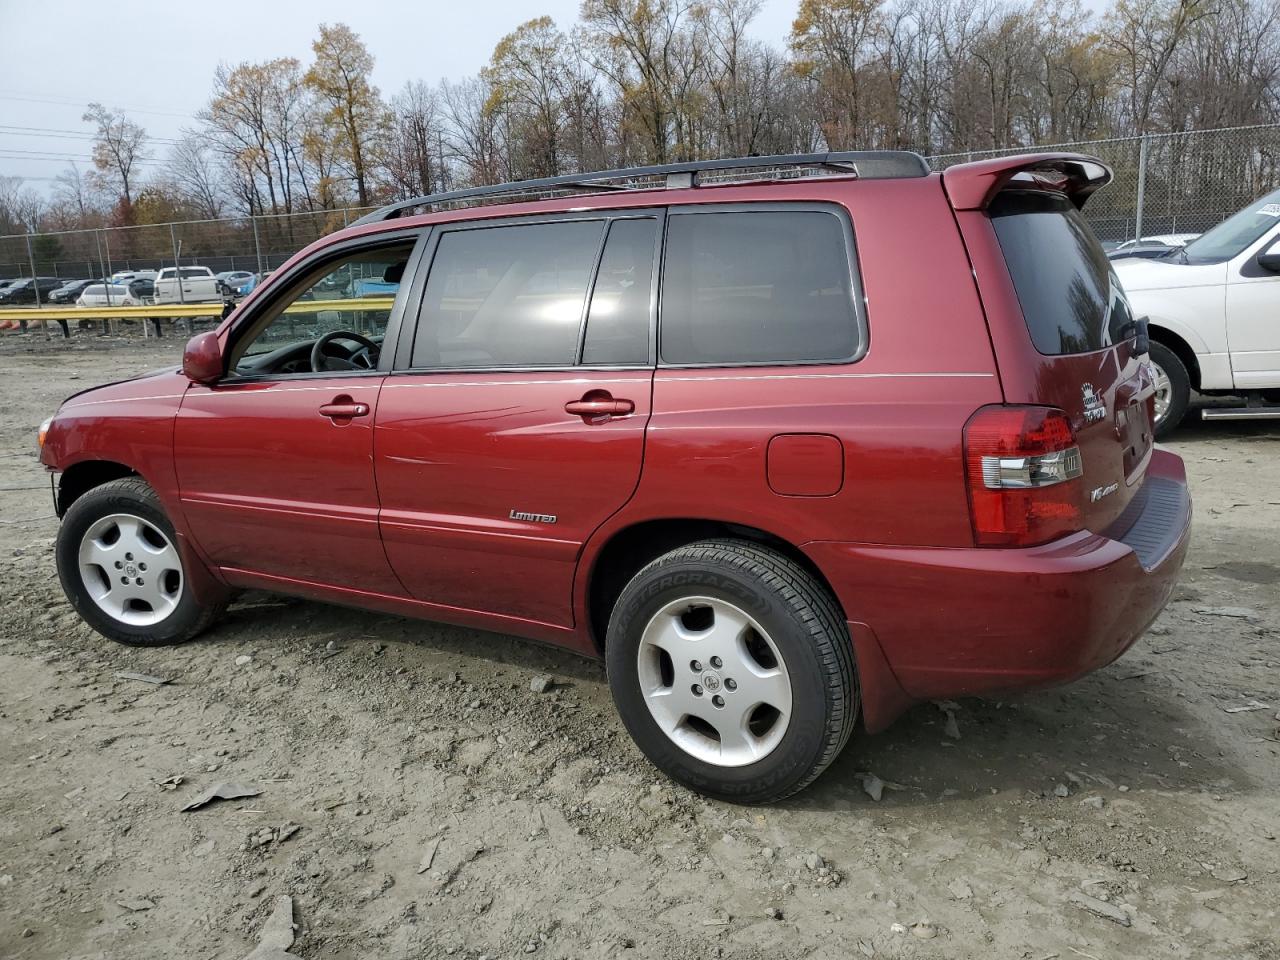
(733,670)
(120,567)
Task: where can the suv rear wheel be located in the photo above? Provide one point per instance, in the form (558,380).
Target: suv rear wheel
(733,670)
(119,564)
(1173,389)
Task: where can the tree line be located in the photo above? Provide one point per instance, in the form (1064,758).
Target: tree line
(653,81)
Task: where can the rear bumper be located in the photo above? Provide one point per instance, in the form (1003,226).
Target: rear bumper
(952,622)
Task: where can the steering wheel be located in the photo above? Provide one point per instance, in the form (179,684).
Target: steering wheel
(321,361)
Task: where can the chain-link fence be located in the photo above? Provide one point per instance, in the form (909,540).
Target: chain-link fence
(1169,182)
(1164,183)
(253,244)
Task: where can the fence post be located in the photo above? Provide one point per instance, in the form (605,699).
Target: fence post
(106,277)
(177,265)
(1142,186)
(35,283)
(257,244)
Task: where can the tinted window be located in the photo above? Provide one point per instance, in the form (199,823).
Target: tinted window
(1070,297)
(507,296)
(752,287)
(618,319)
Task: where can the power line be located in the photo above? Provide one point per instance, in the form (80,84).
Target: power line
(64,101)
(8,130)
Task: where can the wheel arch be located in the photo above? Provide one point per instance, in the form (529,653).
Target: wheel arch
(79,478)
(627,550)
(1181,348)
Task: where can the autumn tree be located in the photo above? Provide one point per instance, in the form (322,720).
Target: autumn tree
(341,79)
(526,83)
(651,55)
(257,119)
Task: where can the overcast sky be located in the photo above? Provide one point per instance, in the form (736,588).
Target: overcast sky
(156,60)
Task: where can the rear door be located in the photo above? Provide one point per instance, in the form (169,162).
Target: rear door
(513,425)
(1065,337)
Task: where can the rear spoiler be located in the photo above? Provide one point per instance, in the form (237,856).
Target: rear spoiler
(971,186)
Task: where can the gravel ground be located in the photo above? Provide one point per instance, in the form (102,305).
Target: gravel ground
(419,799)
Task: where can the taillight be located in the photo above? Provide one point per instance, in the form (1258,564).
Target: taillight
(1023,469)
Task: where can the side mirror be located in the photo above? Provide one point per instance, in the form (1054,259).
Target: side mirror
(202,358)
(1269,260)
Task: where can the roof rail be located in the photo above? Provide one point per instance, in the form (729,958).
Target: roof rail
(864,164)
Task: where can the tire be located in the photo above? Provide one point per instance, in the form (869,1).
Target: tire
(757,615)
(1167,363)
(147,601)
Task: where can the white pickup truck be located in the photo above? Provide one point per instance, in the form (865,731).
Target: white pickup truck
(199,285)
(1213,311)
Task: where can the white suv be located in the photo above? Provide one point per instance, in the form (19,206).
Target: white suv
(1213,308)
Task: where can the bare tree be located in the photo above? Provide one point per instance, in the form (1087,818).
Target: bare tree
(118,147)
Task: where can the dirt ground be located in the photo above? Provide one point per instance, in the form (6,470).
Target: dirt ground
(420,800)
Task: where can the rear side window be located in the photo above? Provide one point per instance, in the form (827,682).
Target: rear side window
(618,319)
(508,296)
(757,287)
(1070,297)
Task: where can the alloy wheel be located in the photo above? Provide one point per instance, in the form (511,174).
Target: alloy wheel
(1164,392)
(130,569)
(714,681)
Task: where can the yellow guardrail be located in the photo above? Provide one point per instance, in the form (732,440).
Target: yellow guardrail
(211,309)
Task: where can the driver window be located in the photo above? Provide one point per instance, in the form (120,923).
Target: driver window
(350,295)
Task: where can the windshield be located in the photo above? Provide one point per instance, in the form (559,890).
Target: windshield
(1235,233)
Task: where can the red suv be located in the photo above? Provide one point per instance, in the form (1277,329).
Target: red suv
(786,440)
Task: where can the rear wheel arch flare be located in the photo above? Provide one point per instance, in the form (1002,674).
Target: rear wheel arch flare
(629,550)
(79,478)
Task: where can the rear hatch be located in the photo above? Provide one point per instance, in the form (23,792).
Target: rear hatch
(1062,329)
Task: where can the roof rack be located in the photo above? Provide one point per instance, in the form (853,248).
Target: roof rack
(864,164)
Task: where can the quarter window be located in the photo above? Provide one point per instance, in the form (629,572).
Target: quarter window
(508,296)
(618,320)
(757,287)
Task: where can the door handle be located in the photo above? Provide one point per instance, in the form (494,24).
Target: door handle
(343,409)
(597,408)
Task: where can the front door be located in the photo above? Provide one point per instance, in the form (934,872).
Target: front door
(1253,318)
(275,462)
(515,427)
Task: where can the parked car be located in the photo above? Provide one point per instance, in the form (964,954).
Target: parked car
(24,290)
(128,276)
(1149,248)
(143,289)
(766,526)
(107,295)
(69,291)
(199,285)
(248,286)
(1211,308)
(229,281)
